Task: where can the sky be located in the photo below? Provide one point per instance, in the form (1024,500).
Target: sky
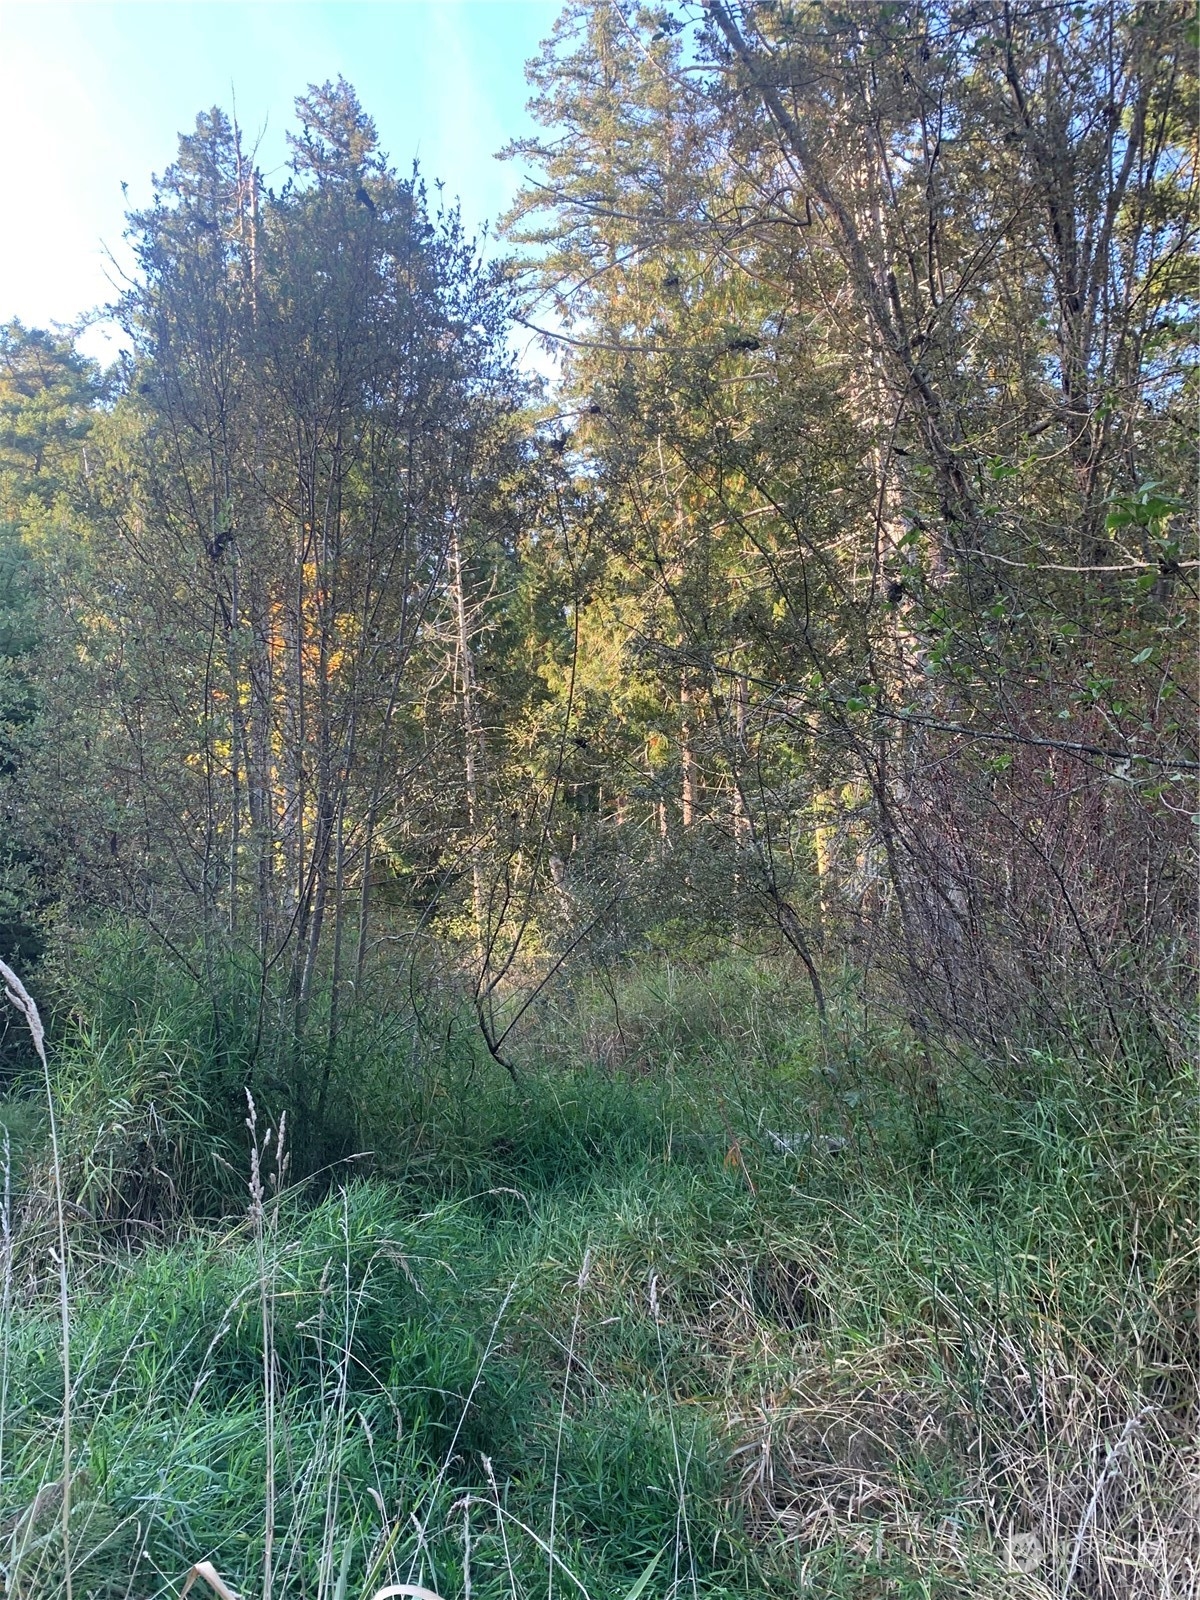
(94,94)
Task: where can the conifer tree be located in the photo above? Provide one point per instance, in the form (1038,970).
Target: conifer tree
(315,377)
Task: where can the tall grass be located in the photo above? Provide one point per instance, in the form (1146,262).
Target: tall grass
(17,994)
(709,1313)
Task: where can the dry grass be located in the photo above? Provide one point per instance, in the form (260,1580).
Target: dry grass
(577,1349)
(19,996)
(1067,1483)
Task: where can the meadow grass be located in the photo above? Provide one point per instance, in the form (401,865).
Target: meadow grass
(699,1305)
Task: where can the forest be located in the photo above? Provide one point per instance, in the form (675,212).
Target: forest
(602,952)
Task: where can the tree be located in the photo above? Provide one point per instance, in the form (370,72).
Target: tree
(315,378)
(888,364)
(47,396)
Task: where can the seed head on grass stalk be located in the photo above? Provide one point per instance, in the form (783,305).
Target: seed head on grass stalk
(258,1221)
(20,997)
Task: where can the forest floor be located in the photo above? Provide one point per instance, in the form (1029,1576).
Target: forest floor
(698,1308)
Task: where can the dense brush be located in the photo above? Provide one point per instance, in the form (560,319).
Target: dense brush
(748,1324)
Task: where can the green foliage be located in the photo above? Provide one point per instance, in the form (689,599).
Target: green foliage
(48,394)
(757,1310)
(360,729)
(857,525)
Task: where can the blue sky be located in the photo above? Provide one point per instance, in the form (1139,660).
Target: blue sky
(95,93)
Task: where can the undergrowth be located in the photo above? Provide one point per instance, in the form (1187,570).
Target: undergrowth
(703,1305)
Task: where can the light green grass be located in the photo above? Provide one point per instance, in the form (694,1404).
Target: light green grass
(726,1298)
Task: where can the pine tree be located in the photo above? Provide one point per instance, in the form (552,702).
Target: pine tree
(315,378)
(47,395)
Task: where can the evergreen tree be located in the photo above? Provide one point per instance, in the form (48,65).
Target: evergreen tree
(47,395)
(888,371)
(315,378)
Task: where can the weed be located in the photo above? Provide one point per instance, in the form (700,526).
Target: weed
(559,1343)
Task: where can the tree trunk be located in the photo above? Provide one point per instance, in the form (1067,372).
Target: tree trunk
(470,727)
(690,787)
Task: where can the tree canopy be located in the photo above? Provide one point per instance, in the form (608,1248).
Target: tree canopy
(839,597)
